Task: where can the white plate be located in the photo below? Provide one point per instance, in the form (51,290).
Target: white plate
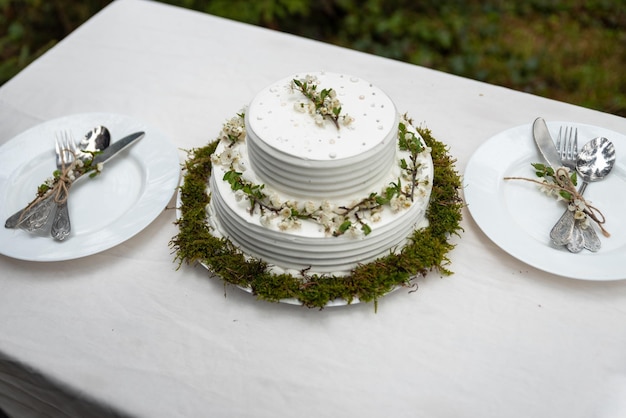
(132,190)
(516,216)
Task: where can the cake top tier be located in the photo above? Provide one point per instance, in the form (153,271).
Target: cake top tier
(279,116)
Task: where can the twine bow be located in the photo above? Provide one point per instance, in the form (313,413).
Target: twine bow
(563,183)
(59,191)
(63,183)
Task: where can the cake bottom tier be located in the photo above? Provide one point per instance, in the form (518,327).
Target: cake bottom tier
(308,247)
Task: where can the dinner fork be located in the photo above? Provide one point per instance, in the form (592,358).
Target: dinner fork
(567,146)
(66,152)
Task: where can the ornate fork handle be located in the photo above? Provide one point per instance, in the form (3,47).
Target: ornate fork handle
(61,225)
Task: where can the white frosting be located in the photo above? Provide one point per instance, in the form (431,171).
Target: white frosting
(304,181)
(293,154)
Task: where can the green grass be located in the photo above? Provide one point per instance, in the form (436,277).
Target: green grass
(569,50)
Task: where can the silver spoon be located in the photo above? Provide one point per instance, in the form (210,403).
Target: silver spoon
(95,140)
(595,161)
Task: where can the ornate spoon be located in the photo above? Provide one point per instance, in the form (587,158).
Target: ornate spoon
(595,161)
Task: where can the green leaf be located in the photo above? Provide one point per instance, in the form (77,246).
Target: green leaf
(344,226)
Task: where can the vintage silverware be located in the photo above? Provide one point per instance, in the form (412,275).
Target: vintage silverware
(97,139)
(595,161)
(41,210)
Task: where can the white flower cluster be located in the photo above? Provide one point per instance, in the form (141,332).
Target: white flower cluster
(548,188)
(231,157)
(576,205)
(399,202)
(78,164)
(329,103)
(579,206)
(234,129)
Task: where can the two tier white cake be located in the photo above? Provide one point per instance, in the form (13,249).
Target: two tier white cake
(320,175)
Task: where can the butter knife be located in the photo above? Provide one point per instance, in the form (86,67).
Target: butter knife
(563,231)
(544,142)
(103,157)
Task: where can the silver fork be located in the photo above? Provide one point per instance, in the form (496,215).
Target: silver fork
(66,153)
(567,145)
(567,230)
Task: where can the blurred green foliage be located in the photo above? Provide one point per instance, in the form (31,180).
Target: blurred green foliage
(569,50)
(28,28)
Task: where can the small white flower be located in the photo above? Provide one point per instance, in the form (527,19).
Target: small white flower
(99,167)
(266,219)
(239,165)
(228,156)
(398,203)
(326,219)
(287,224)
(311,79)
(347,120)
(310,207)
(275,200)
(584,223)
(355,231)
(239,195)
(285,213)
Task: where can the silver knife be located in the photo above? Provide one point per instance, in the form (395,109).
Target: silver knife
(544,142)
(117,147)
(103,157)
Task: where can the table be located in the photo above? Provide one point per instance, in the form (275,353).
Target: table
(126,332)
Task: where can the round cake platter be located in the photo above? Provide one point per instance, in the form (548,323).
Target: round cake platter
(289,301)
(444,213)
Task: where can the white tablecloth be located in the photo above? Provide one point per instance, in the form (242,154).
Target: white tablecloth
(125,331)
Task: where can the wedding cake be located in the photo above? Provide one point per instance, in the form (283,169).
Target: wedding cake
(318,174)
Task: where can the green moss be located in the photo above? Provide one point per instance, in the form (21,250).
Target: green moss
(427,250)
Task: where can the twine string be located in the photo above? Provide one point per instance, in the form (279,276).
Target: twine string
(563,182)
(59,190)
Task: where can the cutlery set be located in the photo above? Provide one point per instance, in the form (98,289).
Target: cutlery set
(49,212)
(593,163)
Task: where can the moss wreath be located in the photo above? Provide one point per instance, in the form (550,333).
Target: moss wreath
(427,248)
